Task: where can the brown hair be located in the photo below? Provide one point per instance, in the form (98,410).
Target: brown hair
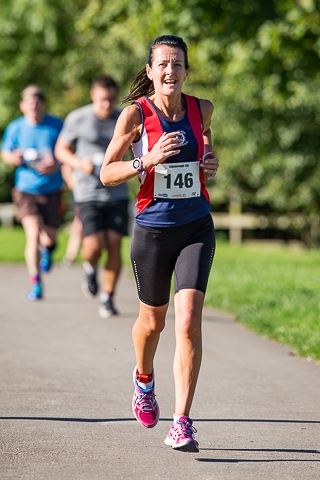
(104,81)
(142,85)
(35,92)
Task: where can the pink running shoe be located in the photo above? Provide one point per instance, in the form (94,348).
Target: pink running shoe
(181,436)
(144,405)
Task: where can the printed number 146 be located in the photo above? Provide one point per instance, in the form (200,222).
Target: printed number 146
(180,180)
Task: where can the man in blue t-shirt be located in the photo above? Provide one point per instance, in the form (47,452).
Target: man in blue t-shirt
(28,144)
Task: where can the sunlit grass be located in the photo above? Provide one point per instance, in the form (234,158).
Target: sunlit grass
(12,241)
(274,292)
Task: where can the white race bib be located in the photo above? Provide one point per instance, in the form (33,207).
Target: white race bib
(177,180)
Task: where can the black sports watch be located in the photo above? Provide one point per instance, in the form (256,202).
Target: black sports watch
(138,165)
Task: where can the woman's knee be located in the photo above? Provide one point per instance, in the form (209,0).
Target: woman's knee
(188,313)
(152,319)
(188,327)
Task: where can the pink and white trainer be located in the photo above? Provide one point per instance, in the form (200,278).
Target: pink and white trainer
(181,436)
(144,405)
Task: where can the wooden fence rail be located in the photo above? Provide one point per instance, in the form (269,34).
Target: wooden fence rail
(234,223)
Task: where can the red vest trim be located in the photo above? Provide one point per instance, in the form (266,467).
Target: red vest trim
(153,128)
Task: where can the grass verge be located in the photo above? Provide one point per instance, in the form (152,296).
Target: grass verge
(12,242)
(273,292)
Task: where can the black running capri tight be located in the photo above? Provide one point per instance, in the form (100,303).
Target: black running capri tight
(156,253)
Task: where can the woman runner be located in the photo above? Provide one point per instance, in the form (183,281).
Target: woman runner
(170,136)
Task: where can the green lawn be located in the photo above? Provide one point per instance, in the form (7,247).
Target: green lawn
(272,291)
(12,242)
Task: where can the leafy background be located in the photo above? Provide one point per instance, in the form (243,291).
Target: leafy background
(258,61)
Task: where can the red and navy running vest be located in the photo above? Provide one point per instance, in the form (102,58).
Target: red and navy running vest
(152,212)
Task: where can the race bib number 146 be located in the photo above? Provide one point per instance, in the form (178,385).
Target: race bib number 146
(176,180)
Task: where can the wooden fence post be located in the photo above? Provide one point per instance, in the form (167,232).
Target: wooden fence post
(235,208)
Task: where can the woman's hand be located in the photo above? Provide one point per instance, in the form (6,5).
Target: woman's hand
(167,146)
(210,164)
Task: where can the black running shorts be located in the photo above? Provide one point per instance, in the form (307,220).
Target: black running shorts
(157,253)
(97,216)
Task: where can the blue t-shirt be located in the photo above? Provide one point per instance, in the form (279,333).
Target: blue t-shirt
(42,137)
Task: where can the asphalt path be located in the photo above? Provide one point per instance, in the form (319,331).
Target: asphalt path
(66,390)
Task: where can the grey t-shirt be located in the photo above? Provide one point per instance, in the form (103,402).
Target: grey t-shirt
(91,136)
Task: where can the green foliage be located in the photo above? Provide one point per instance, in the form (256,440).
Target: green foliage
(257,61)
(12,241)
(270,116)
(6,182)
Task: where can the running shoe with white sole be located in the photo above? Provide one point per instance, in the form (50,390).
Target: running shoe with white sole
(181,436)
(144,405)
(107,308)
(89,282)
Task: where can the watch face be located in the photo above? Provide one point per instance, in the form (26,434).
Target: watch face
(136,163)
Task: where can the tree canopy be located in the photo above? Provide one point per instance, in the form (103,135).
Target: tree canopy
(257,61)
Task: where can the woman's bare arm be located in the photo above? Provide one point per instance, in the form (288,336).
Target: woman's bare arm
(127,129)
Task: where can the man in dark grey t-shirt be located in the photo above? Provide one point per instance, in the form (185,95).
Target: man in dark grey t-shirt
(81,145)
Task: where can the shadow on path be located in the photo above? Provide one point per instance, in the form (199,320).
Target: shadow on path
(97,420)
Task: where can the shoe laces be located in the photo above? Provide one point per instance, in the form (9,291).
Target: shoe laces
(146,400)
(183,428)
